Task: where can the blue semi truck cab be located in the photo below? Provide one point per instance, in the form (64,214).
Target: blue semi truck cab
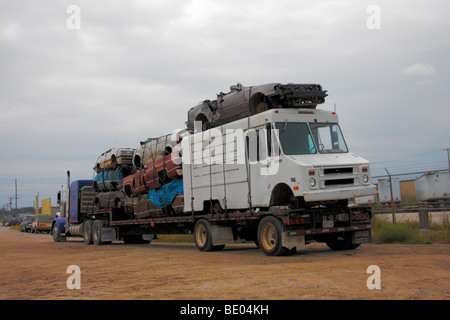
(85,217)
(79,203)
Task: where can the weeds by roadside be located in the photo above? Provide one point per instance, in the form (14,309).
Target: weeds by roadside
(174,238)
(16,227)
(409,232)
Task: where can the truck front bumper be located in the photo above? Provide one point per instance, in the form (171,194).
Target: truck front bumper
(339,193)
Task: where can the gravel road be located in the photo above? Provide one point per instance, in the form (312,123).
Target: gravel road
(35,267)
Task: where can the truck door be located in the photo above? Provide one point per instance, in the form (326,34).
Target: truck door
(262,164)
(73,203)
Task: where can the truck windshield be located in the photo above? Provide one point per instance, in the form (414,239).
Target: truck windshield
(295,138)
(328,138)
(301,138)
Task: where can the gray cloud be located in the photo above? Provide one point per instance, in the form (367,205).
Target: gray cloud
(134,69)
(420,69)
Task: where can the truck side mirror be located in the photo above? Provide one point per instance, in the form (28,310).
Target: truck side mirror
(269,139)
(237,87)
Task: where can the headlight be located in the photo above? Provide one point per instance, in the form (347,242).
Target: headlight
(365,178)
(312,182)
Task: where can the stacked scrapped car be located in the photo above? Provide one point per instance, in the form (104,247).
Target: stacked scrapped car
(110,169)
(153,149)
(155,184)
(298,96)
(242,102)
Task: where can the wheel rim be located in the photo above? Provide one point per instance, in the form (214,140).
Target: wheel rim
(55,232)
(94,233)
(200,235)
(205,126)
(269,236)
(86,231)
(261,107)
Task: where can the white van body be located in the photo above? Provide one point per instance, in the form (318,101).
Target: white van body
(266,159)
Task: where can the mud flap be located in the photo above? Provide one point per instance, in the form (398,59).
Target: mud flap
(362,236)
(148,237)
(221,235)
(296,241)
(109,234)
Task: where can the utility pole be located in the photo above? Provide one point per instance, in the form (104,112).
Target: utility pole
(16,194)
(448,158)
(10,208)
(15,197)
(392,196)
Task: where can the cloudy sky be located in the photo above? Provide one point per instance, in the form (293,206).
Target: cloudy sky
(79,77)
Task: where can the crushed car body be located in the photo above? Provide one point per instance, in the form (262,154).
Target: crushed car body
(244,101)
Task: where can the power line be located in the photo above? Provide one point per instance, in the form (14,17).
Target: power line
(411,173)
(408,157)
(430,166)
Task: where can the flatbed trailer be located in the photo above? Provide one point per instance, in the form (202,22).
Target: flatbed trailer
(339,230)
(277,231)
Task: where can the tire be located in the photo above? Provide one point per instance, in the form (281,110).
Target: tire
(202,235)
(258,104)
(87,231)
(261,107)
(206,125)
(97,232)
(270,231)
(55,234)
(341,242)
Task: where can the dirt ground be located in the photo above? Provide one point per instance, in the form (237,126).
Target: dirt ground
(32,266)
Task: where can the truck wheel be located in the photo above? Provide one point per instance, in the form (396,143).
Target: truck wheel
(203,237)
(270,231)
(87,231)
(97,232)
(258,104)
(55,234)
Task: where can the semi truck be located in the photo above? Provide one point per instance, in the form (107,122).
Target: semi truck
(280,178)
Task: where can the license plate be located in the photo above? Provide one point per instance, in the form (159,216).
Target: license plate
(328,223)
(342,217)
(363,236)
